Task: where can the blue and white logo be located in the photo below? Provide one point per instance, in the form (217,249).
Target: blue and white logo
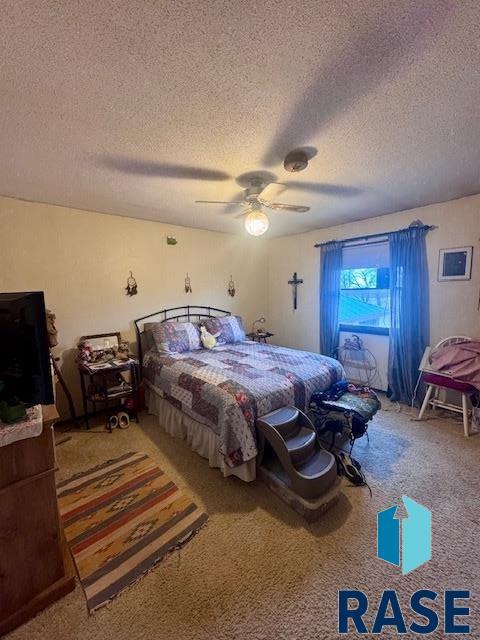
(410,545)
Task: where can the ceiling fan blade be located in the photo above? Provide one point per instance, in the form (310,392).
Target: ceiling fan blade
(219,202)
(242,215)
(272,190)
(341,190)
(139,167)
(379,45)
(279,206)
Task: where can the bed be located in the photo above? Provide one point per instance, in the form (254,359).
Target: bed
(212,398)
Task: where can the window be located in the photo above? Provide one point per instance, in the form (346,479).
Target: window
(365,289)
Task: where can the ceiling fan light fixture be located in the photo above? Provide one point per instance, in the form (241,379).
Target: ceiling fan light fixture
(256,223)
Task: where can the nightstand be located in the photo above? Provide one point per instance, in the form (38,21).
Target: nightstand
(260,336)
(99,389)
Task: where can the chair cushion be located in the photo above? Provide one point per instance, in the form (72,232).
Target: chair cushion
(443,381)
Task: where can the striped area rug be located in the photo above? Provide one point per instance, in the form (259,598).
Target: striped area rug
(121,518)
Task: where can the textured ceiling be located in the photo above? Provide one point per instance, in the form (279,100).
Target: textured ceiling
(139,107)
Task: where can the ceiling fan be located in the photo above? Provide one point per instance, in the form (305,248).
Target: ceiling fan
(256,196)
(261,186)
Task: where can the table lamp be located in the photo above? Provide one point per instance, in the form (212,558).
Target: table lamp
(259,321)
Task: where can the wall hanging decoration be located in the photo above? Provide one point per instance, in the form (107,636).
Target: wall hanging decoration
(188,286)
(231,287)
(455,264)
(295,281)
(131,288)
(171,240)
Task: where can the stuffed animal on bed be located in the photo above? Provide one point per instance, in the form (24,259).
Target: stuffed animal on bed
(208,340)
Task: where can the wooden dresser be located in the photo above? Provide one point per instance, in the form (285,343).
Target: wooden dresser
(35,565)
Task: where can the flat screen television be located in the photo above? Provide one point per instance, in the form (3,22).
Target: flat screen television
(25,371)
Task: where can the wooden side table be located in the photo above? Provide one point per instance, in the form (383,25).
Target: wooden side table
(260,336)
(98,378)
(35,564)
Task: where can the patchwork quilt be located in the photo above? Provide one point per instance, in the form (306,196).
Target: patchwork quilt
(228,387)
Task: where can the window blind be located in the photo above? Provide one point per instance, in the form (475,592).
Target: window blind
(365,256)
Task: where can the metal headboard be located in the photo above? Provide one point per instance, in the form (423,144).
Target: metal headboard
(177,314)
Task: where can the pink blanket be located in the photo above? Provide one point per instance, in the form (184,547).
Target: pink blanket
(462,361)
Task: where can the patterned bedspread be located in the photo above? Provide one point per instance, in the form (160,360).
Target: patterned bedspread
(228,387)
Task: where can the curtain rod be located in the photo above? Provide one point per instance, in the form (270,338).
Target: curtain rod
(385,235)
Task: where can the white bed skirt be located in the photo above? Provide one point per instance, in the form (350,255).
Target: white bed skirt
(200,438)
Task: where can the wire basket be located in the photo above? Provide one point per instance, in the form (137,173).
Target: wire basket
(359,363)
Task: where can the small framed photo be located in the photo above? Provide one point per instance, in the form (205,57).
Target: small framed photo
(103,341)
(455,263)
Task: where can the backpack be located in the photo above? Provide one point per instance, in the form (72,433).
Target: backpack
(358,428)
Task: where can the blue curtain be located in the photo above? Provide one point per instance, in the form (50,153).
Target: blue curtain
(331,267)
(410,325)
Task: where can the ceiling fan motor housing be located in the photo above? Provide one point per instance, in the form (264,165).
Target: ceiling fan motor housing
(296,161)
(253,191)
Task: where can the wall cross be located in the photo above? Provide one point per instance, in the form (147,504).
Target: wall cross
(295,281)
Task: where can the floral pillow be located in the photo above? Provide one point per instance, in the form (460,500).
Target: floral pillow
(173,337)
(229,329)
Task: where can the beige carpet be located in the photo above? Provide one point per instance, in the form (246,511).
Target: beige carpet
(256,570)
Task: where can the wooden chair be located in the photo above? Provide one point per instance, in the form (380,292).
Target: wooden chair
(437,381)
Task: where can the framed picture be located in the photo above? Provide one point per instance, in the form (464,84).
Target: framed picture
(455,263)
(103,341)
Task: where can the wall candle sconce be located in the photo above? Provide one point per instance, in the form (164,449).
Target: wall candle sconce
(188,286)
(231,287)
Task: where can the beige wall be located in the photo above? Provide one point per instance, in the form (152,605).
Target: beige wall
(453,305)
(81,260)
